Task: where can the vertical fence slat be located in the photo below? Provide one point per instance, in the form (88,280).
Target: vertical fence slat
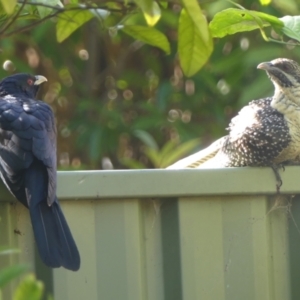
(294,243)
(279,250)
(151,216)
(232,248)
(119,250)
(81,217)
(171,250)
(201,248)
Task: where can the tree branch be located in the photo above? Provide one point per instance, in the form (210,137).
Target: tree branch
(14,18)
(30,25)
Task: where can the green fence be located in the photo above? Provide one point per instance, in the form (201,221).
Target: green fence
(168,235)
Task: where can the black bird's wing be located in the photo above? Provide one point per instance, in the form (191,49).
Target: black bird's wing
(28,168)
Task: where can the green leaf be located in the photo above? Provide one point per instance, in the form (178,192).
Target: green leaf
(70,21)
(153,156)
(167,148)
(265,2)
(45,11)
(9,273)
(132,163)
(146,138)
(164,4)
(180,151)
(233,20)
(9,5)
(194,11)
(29,288)
(149,36)
(291,27)
(150,10)
(193,46)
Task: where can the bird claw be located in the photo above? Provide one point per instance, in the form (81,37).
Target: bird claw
(278,186)
(275,169)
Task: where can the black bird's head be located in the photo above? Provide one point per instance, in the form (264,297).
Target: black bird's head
(21,84)
(284,73)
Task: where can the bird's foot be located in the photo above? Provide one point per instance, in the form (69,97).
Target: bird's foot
(275,168)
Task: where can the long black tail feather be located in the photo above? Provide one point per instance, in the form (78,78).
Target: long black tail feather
(54,240)
(53,237)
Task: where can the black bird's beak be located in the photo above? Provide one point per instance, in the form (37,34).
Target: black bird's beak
(39,79)
(265,66)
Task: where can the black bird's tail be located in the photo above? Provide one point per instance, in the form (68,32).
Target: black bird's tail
(52,234)
(53,237)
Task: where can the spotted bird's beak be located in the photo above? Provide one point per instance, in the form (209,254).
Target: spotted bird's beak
(265,66)
(39,79)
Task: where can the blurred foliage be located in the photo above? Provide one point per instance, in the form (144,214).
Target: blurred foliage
(28,288)
(122,103)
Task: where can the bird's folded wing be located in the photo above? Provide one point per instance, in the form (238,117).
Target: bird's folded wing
(201,158)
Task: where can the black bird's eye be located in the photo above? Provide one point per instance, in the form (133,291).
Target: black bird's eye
(30,81)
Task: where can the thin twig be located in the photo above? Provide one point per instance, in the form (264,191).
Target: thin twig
(30,25)
(14,18)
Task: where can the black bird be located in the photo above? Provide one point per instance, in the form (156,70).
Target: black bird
(266,132)
(28,166)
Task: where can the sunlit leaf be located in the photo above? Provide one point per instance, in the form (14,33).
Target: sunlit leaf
(265,2)
(9,273)
(153,16)
(180,151)
(9,5)
(29,288)
(146,138)
(193,9)
(70,21)
(132,163)
(233,20)
(149,36)
(291,27)
(167,148)
(150,10)
(153,156)
(194,48)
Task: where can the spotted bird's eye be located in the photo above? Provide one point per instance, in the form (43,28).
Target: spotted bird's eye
(286,67)
(30,81)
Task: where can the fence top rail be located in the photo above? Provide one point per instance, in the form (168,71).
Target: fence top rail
(171,183)
(175,183)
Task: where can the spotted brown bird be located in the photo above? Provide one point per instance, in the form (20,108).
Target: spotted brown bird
(28,166)
(266,132)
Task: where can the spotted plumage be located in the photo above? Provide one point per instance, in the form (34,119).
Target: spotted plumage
(265,132)
(258,142)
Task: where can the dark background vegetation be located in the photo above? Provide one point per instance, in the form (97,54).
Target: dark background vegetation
(123,104)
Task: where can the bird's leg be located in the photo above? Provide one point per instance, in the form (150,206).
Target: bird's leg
(275,168)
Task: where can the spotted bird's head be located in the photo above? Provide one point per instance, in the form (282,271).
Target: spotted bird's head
(21,84)
(284,73)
